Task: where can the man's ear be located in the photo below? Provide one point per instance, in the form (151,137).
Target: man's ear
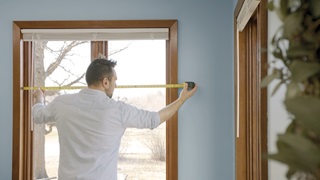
(105,83)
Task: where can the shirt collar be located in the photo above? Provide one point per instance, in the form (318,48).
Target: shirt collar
(92,92)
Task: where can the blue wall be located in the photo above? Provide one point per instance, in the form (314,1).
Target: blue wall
(205,34)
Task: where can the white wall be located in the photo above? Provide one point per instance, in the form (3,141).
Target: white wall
(205,33)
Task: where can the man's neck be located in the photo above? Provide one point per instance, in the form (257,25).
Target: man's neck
(99,88)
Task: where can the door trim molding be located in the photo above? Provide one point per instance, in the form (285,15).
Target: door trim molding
(22,135)
(250,100)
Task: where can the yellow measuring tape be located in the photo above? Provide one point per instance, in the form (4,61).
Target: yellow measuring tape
(190,86)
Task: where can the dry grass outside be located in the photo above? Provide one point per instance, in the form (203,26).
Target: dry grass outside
(141,167)
(136,160)
(155,141)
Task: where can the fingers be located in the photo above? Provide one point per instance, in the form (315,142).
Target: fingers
(187,91)
(38,92)
(194,89)
(38,95)
(185,86)
(191,86)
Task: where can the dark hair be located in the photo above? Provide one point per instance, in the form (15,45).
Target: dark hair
(98,69)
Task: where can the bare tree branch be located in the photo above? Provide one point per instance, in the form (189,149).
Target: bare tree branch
(76,80)
(119,50)
(64,51)
(67,70)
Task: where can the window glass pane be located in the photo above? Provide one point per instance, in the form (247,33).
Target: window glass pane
(60,63)
(142,152)
(56,63)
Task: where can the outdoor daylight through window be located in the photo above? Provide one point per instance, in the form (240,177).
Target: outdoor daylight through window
(142,152)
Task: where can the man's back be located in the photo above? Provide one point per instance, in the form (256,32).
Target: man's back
(90,131)
(90,126)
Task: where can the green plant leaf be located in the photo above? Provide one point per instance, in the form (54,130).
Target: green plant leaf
(306,111)
(281,145)
(292,23)
(300,51)
(282,10)
(289,157)
(276,88)
(268,79)
(275,39)
(291,171)
(301,70)
(284,5)
(298,152)
(293,90)
(271,6)
(291,127)
(277,53)
(315,8)
(302,145)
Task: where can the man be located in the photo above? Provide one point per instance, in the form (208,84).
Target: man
(90,124)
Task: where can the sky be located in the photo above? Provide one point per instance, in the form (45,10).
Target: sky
(143,62)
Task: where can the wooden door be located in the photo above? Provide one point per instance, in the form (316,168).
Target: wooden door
(251,99)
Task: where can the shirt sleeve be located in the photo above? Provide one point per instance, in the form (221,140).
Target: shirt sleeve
(133,117)
(43,114)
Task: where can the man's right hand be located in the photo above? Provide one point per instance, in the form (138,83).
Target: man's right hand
(38,96)
(185,93)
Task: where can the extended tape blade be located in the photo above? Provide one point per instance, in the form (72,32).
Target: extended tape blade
(55,88)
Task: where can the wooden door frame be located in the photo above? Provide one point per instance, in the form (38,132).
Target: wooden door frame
(251,145)
(22,134)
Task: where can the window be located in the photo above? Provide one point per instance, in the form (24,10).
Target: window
(55,63)
(22,76)
(142,152)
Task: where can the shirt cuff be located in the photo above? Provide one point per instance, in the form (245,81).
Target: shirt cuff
(155,121)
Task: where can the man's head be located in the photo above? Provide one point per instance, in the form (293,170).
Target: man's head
(101,75)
